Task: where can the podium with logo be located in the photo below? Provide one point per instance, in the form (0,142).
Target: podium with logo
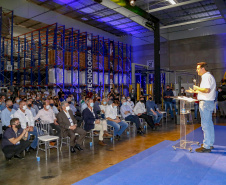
(186,124)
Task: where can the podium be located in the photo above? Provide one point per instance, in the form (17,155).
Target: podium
(186,124)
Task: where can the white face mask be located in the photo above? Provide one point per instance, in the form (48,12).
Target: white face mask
(48,107)
(128,99)
(24,107)
(17,101)
(67,108)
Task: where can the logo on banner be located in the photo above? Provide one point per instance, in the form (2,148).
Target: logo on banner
(89,63)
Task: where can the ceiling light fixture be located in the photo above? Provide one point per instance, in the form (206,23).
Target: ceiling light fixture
(132,2)
(172,1)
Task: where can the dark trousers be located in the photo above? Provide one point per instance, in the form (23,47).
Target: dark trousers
(57,128)
(71,134)
(79,120)
(12,150)
(148,119)
(134,119)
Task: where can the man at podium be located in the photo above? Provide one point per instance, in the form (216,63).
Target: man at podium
(206,96)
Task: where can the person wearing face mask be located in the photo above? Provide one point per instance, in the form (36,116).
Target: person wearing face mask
(128,115)
(48,116)
(15,140)
(133,95)
(96,107)
(221,97)
(111,93)
(168,100)
(68,125)
(53,107)
(141,112)
(62,97)
(6,114)
(152,110)
(130,103)
(38,103)
(84,104)
(103,107)
(29,106)
(74,111)
(114,121)
(26,119)
(92,121)
(16,103)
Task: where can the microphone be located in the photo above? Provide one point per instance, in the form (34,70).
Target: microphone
(194,80)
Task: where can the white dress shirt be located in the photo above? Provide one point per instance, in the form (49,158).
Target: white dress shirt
(208,82)
(139,108)
(47,116)
(69,117)
(24,118)
(111,112)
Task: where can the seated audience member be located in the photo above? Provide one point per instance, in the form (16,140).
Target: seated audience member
(71,105)
(128,115)
(69,127)
(84,104)
(152,110)
(62,98)
(97,106)
(103,107)
(26,119)
(6,114)
(38,103)
(15,140)
(113,119)
(141,112)
(47,115)
(29,106)
(2,103)
(74,111)
(53,107)
(133,95)
(34,106)
(130,103)
(92,121)
(16,103)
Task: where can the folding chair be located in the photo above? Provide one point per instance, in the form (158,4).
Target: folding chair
(44,138)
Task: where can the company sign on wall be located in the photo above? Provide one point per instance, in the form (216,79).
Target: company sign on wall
(89,63)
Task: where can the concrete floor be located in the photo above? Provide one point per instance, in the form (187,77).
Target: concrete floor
(70,168)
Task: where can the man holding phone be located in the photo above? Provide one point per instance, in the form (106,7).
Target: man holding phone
(26,119)
(15,140)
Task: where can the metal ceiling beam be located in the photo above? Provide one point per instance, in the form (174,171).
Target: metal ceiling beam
(191,22)
(221,7)
(173,6)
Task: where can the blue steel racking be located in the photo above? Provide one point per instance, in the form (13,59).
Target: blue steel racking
(54,47)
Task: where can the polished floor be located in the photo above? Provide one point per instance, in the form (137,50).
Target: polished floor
(70,168)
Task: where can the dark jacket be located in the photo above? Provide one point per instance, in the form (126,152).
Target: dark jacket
(89,119)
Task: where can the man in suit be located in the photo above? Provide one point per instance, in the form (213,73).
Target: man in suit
(69,127)
(92,121)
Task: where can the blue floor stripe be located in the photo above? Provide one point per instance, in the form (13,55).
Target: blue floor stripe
(160,164)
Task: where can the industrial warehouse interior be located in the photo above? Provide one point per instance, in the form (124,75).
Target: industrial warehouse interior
(121,92)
